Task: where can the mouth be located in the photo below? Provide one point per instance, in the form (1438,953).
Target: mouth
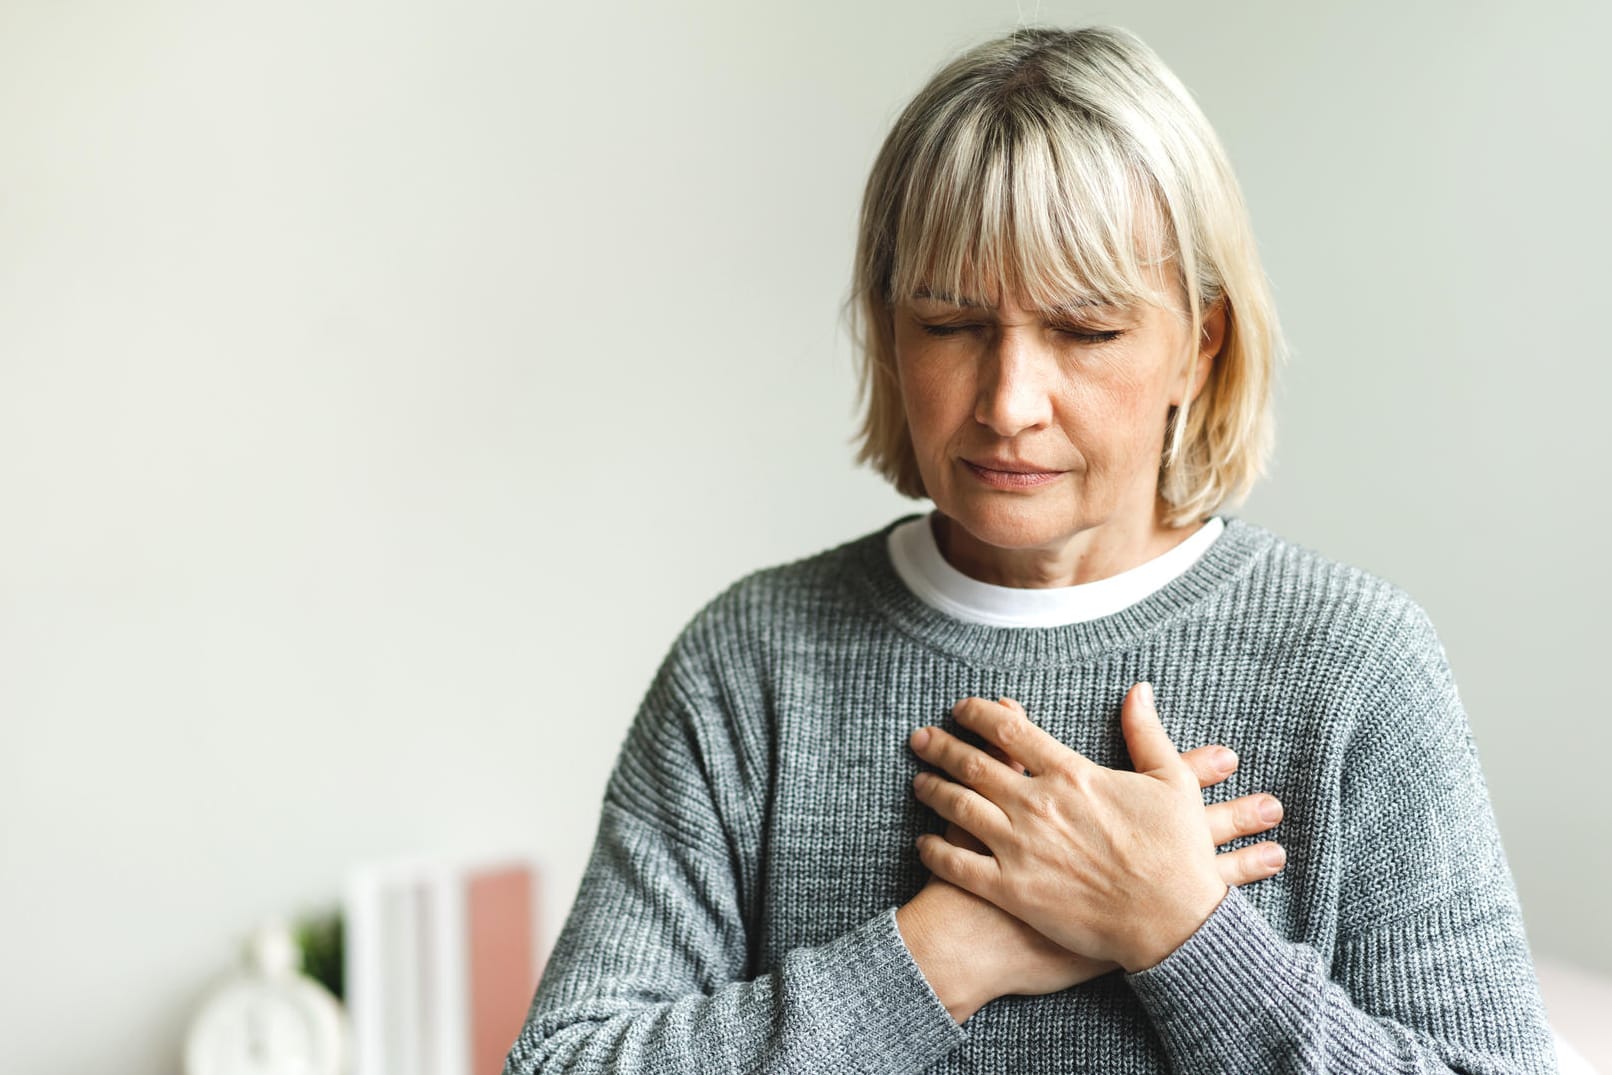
(999,474)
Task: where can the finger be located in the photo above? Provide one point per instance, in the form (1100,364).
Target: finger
(1145,737)
(1009,728)
(1014,704)
(1243,817)
(967,870)
(968,764)
(1249,864)
(1210,764)
(961,806)
(961,837)
(1001,755)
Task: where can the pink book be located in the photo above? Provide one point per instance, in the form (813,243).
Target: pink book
(499,910)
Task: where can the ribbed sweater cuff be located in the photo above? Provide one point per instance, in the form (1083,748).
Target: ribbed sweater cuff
(1224,979)
(881,1001)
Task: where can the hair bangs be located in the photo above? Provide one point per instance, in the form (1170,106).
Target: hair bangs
(1024,200)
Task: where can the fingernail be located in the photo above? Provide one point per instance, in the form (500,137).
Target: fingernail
(1147,693)
(1225,759)
(1270,810)
(920,738)
(1274,857)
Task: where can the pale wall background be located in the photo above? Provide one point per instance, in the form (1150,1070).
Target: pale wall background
(383,385)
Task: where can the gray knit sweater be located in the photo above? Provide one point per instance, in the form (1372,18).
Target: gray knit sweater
(737,913)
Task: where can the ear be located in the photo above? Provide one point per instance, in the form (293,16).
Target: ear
(1213,338)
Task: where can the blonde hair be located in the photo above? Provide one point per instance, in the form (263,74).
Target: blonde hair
(1062,164)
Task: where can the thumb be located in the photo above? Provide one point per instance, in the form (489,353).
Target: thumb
(1145,737)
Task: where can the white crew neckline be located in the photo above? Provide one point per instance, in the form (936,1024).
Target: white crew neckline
(918,561)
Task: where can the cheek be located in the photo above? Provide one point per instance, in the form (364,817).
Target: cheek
(1115,421)
(1134,411)
(936,403)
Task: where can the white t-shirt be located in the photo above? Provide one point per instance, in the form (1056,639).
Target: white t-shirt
(918,561)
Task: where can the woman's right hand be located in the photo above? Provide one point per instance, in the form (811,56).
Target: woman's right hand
(972,951)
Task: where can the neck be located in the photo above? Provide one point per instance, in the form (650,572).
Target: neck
(1088,555)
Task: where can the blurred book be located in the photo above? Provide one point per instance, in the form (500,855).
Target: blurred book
(440,963)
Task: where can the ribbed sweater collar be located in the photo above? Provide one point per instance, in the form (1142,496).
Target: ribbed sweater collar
(1231,557)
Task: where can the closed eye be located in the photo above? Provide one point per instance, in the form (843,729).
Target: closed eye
(947,330)
(1105,336)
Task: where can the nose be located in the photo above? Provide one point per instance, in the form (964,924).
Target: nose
(1015,389)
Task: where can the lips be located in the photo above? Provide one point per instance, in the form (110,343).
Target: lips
(998,474)
(1009,466)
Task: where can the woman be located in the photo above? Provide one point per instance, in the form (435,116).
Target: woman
(915,803)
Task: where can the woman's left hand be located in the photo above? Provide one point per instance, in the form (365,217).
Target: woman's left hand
(1112,864)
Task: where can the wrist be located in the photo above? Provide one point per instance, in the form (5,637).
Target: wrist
(960,981)
(1171,932)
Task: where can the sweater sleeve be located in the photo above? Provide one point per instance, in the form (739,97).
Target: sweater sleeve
(1431,972)
(651,972)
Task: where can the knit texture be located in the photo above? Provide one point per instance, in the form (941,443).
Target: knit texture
(738,911)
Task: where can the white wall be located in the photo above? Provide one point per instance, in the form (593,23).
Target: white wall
(382,386)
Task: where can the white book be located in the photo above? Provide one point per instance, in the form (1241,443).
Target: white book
(386,967)
(449,981)
(362,969)
(402,977)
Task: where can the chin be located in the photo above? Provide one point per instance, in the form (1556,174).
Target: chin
(1015,522)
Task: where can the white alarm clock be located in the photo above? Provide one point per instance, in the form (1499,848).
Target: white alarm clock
(270,1019)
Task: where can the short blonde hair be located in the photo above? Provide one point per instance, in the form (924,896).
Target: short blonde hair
(1062,163)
